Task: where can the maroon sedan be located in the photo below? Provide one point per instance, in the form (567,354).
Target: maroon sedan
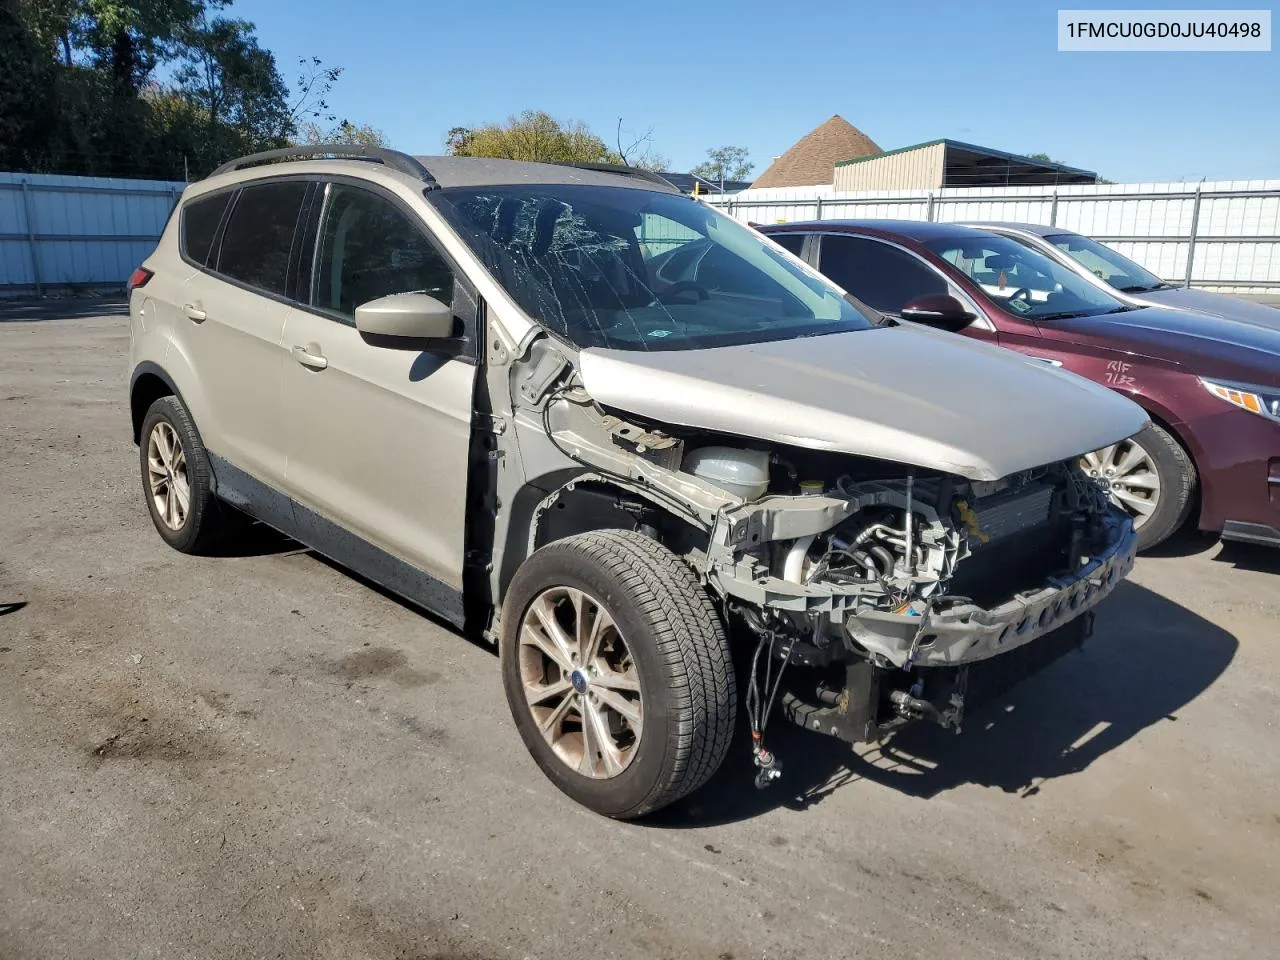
(1211,385)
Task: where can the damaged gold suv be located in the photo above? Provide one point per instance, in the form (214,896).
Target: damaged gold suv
(479,384)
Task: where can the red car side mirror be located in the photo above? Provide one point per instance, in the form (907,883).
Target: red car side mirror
(937,310)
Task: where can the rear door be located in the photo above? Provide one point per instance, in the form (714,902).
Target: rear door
(377,437)
(231,319)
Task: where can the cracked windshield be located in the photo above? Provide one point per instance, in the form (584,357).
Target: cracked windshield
(635,270)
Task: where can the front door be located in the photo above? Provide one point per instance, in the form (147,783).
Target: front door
(1022,288)
(885,276)
(377,438)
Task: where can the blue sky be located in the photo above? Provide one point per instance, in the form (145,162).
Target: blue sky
(903,71)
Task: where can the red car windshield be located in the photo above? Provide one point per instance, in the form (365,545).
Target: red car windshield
(1022,281)
(1116,269)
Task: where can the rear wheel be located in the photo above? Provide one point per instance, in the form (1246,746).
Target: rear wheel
(177,481)
(1150,477)
(617,672)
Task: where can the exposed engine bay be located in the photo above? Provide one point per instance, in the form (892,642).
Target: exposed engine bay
(871,589)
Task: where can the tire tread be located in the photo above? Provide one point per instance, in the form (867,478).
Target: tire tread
(688,635)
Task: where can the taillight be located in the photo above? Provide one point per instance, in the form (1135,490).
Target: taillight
(138,278)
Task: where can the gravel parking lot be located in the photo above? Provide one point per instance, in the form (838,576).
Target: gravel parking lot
(260,756)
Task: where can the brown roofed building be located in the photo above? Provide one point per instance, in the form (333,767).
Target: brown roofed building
(812,160)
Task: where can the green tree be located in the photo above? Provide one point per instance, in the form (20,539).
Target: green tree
(310,102)
(235,85)
(53,22)
(1042,157)
(532,135)
(80,91)
(26,91)
(129,38)
(458,141)
(312,133)
(724,163)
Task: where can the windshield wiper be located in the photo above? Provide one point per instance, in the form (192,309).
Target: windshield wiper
(1144,288)
(1065,315)
(1074,314)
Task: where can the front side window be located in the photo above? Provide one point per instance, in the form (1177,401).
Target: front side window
(370,248)
(1023,281)
(200,219)
(878,274)
(1114,268)
(633,269)
(259,236)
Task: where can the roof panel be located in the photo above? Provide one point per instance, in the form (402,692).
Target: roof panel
(492,172)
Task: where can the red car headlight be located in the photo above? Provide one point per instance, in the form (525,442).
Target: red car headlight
(1264,401)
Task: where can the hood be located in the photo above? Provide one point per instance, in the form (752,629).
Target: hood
(1203,344)
(1216,304)
(904,393)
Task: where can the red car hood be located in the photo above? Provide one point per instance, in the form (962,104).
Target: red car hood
(1203,344)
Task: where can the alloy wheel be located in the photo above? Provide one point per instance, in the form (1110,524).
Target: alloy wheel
(1127,473)
(580,682)
(167,477)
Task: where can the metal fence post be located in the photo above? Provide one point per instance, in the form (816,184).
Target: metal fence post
(817,215)
(1195,228)
(31,240)
(1053,210)
(929,211)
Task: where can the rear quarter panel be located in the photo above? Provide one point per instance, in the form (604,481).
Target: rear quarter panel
(154,313)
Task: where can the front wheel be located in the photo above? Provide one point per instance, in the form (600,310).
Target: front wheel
(1150,477)
(617,671)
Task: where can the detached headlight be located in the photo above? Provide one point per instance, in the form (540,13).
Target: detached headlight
(1246,396)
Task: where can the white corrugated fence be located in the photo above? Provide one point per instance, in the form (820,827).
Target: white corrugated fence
(61,232)
(70,233)
(1223,234)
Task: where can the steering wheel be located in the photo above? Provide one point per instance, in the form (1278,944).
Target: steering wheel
(1022,293)
(684,286)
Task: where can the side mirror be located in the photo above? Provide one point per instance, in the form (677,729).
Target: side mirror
(938,310)
(405,316)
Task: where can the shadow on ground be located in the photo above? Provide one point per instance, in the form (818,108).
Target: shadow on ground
(256,540)
(1249,556)
(1148,658)
(73,308)
(1187,542)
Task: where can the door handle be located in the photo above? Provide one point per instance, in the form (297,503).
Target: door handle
(309,356)
(194,313)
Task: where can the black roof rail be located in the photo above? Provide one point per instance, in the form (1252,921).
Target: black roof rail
(625,171)
(334,151)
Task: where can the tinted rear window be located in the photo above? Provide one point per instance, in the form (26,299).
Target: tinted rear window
(200,220)
(791,241)
(259,235)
